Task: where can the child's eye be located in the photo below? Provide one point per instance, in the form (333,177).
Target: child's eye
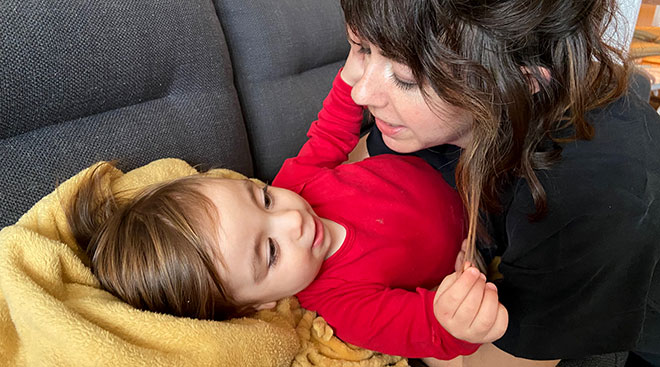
(268,199)
(272,253)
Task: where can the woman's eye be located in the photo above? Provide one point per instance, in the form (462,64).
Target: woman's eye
(404,85)
(268,199)
(272,253)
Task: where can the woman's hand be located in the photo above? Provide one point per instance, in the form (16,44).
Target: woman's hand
(354,65)
(468,307)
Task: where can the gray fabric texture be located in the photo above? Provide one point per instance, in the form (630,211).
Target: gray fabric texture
(96,80)
(285,54)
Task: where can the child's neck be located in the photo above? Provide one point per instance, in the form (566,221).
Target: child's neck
(336,233)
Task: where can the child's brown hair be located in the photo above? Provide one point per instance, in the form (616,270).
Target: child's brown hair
(156,250)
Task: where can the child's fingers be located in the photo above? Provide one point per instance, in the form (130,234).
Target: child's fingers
(460,258)
(447,282)
(500,325)
(449,297)
(487,315)
(469,308)
(353,66)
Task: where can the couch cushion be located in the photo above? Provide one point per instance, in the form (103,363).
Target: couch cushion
(285,54)
(82,81)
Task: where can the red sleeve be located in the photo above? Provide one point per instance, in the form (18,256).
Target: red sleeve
(331,137)
(391,321)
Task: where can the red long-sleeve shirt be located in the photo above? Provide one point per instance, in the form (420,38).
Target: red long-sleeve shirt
(403,231)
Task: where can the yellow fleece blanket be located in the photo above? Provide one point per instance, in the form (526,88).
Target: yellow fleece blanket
(54,313)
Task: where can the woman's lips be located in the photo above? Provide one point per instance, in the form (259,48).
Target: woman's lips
(319,232)
(388,129)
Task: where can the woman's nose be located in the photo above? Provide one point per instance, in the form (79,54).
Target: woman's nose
(368,91)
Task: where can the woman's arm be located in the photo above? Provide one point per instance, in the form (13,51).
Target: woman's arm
(578,282)
(491,356)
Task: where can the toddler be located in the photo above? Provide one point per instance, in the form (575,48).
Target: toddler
(363,244)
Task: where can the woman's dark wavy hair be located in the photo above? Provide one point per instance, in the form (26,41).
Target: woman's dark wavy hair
(483,56)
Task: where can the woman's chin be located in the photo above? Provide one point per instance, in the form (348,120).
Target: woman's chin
(401,145)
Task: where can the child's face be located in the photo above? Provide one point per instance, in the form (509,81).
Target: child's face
(271,241)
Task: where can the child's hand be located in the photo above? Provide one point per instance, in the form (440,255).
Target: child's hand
(468,307)
(353,67)
(460,258)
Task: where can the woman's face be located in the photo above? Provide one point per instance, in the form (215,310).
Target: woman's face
(389,91)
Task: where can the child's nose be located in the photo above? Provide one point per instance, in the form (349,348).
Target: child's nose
(291,223)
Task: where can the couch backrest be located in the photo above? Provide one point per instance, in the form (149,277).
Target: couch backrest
(285,54)
(83,81)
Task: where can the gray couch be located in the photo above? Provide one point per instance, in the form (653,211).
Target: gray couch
(231,84)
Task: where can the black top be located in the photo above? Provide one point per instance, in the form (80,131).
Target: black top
(585,279)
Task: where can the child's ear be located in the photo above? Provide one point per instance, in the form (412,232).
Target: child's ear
(265,306)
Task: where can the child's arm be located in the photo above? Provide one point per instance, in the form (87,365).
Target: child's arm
(401,322)
(331,137)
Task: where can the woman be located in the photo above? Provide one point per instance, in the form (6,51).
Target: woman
(523,107)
